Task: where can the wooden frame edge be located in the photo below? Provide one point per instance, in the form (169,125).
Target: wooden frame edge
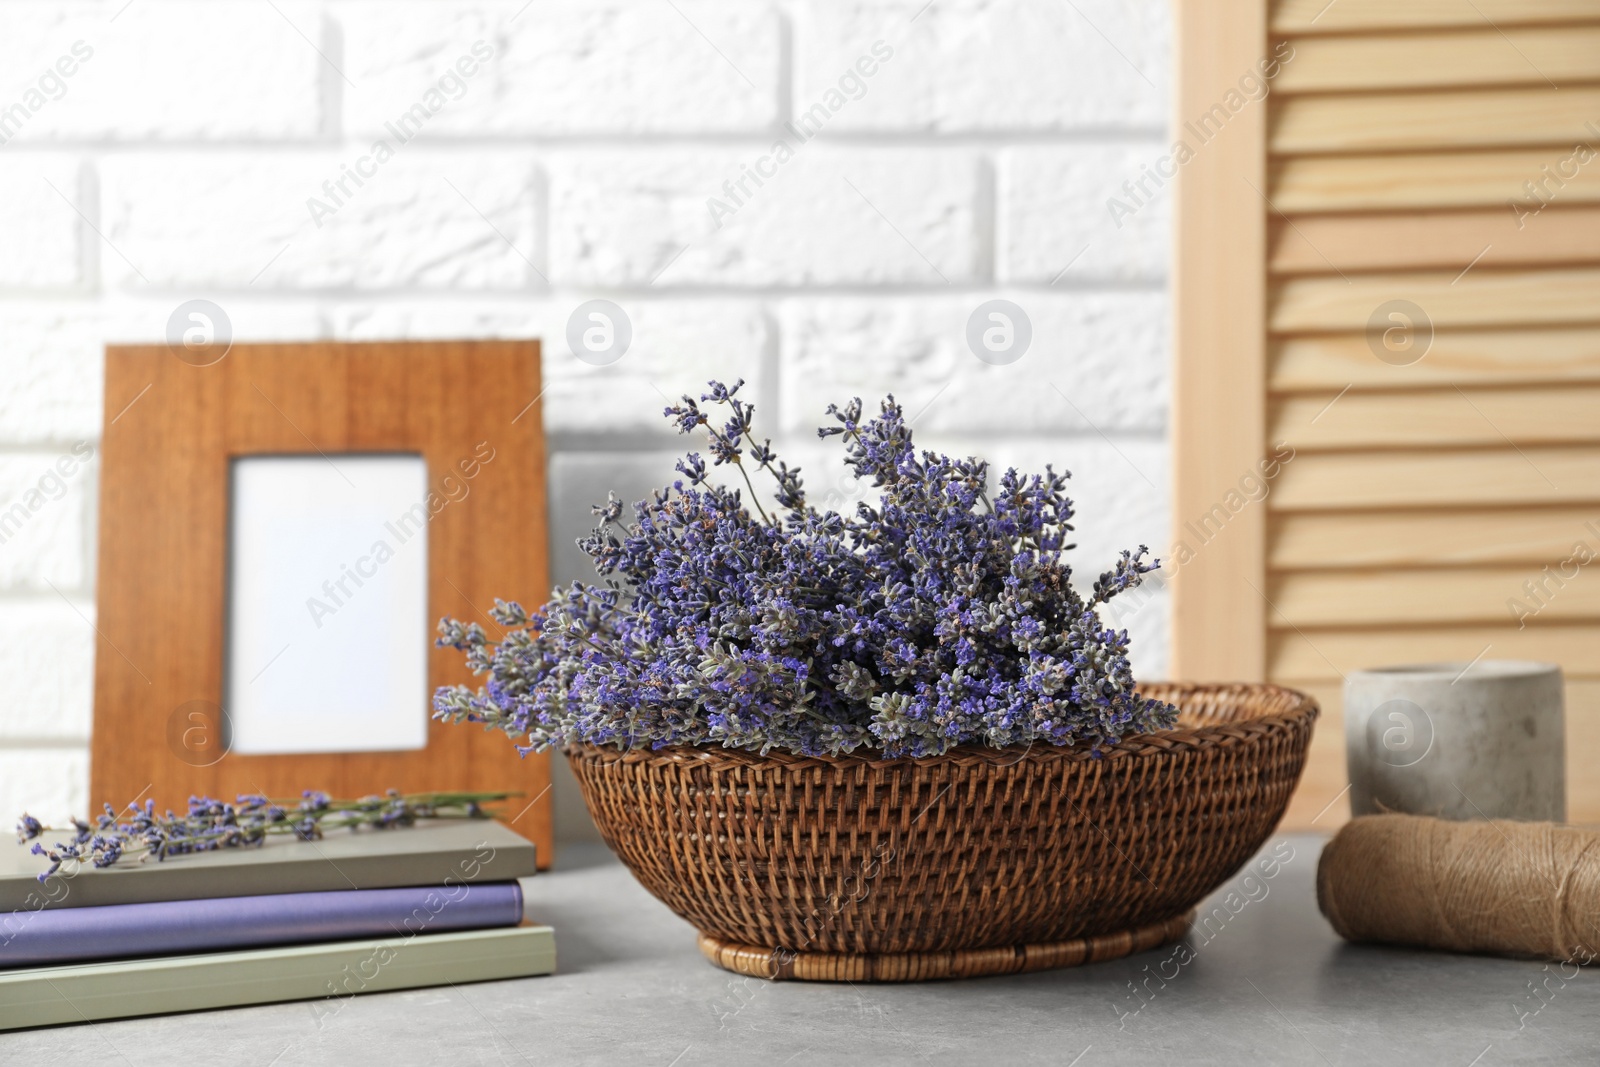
(1219,606)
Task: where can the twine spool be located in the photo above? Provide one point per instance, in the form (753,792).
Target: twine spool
(1509,888)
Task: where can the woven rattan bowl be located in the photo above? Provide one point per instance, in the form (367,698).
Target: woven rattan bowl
(977,862)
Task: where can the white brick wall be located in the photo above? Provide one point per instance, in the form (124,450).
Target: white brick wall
(38,215)
(830,217)
(1095,355)
(166,71)
(238,219)
(571,68)
(992,65)
(942,155)
(1053,220)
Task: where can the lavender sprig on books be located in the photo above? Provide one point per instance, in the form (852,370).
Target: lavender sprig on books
(213,824)
(256,901)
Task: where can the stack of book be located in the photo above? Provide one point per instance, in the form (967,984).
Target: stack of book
(356,912)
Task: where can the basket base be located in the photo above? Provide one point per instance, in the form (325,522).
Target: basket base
(784,965)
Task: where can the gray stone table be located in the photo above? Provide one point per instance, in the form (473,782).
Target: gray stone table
(1268,983)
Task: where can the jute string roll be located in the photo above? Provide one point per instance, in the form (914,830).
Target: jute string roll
(1510,888)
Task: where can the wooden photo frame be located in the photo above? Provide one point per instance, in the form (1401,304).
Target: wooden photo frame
(175,422)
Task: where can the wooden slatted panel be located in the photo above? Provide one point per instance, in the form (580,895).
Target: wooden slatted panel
(1465,357)
(1583,741)
(1453,240)
(1431,181)
(1318,802)
(1505,596)
(1299,656)
(1475,57)
(1377,122)
(1547,415)
(1402,479)
(1345,16)
(1218,307)
(1480,298)
(1529,537)
(1443,502)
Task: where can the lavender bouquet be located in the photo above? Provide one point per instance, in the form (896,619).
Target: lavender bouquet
(942,616)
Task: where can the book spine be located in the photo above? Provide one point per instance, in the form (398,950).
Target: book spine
(120,931)
(329,974)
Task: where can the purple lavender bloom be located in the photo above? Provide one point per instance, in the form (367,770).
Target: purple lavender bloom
(943,615)
(210,824)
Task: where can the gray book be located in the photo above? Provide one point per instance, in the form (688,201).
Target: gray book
(465,850)
(330,974)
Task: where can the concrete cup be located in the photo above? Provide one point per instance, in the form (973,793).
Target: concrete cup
(1485,740)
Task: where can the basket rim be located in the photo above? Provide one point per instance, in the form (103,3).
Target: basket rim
(1163,743)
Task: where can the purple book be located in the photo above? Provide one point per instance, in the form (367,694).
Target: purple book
(180,926)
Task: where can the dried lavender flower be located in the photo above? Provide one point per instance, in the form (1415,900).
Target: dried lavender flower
(212,824)
(942,616)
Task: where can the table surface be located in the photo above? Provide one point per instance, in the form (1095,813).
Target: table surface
(1268,983)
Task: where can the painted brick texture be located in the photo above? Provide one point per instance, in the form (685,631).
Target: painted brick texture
(813,195)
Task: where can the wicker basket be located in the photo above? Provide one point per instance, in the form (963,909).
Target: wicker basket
(981,861)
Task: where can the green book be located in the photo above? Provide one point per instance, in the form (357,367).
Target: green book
(329,973)
(465,850)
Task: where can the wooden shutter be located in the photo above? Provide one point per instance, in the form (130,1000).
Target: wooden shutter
(1440,153)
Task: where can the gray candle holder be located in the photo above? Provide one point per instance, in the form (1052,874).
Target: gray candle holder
(1485,740)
